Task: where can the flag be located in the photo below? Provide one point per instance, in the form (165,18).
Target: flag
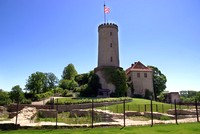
(106,10)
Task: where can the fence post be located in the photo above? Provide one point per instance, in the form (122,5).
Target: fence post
(175,111)
(117,108)
(156,107)
(151,112)
(145,108)
(124,114)
(163,108)
(92,113)
(138,107)
(197,112)
(17,110)
(52,105)
(56,113)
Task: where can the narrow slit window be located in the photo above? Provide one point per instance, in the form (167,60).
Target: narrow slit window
(110,33)
(110,44)
(138,75)
(145,75)
(111,59)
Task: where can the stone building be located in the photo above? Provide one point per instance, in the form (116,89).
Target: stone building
(141,78)
(172,96)
(108,55)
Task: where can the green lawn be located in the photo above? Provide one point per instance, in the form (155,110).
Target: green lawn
(65,118)
(139,105)
(70,100)
(189,128)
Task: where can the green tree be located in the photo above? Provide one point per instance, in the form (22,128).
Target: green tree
(161,97)
(91,88)
(36,83)
(16,94)
(51,81)
(68,84)
(159,81)
(69,72)
(40,82)
(117,76)
(198,96)
(82,79)
(4,98)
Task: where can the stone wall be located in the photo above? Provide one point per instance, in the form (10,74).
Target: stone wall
(47,113)
(62,108)
(13,107)
(182,112)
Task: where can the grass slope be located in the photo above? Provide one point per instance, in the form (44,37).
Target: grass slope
(139,105)
(189,128)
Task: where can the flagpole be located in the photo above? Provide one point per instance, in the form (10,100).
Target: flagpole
(104,13)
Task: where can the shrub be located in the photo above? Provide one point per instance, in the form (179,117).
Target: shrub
(4,98)
(164,117)
(148,94)
(117,76)
(43,95)
(26,101)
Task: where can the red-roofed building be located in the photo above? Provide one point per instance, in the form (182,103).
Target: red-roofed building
(141,78)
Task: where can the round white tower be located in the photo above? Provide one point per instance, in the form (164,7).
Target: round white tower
(108,56)
(108,50)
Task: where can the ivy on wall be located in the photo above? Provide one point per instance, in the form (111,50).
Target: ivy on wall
(117,77)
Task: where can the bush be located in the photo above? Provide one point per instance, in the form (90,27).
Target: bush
(164,117)
(62,101)
(117,76)
(4,98)
(148,94)
(67,93)
(43,95)
(26,101)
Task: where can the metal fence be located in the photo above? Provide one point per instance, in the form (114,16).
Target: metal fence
(93,114)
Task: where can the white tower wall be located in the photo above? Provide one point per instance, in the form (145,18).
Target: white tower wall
(108,49)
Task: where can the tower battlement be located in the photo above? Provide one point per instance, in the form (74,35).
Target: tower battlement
(112,25)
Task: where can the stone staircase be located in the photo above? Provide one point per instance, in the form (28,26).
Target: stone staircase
(26,115)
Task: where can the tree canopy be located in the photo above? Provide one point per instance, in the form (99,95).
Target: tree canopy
(159,81)
(16,94)
(4,98)
(41,82)
(69,72)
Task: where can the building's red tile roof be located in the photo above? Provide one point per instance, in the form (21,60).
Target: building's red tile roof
(138,66)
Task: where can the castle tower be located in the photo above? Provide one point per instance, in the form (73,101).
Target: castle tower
(108,55)
(108,50)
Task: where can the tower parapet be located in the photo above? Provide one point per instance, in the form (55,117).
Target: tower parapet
(108,48)
(112,25)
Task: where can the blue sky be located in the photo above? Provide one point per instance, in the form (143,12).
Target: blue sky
(47,35)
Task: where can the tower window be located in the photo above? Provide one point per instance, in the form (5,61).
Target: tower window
(110,44)
(111,59)
(145,75)
(110,33)
(138,75)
